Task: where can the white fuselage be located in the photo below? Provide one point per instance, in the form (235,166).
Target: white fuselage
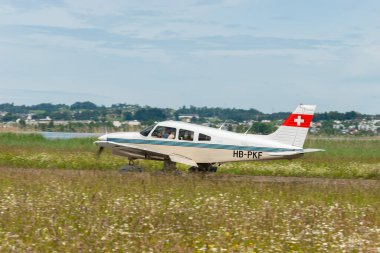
(222,146)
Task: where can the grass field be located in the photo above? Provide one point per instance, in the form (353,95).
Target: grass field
(105,211)
(342,159)
(55,196)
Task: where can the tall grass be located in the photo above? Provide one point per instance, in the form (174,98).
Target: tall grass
(342,158)
(354,150)
(98,211)
(37,141)
(82,208)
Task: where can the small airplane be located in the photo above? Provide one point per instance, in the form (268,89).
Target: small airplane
(203,147)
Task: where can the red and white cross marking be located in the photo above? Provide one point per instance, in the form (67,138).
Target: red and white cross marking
(298,120)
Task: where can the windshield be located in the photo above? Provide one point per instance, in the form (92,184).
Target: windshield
(147,130)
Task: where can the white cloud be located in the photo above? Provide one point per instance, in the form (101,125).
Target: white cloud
(159,19)
(156,29)
(95,7)
(151,55)
(207,43)
(6,9)
(46,16)
(298,56)
(143,52)
(362,62)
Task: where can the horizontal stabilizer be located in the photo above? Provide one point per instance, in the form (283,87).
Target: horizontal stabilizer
(297,152)
(182,159)
(310,150)
(285,153)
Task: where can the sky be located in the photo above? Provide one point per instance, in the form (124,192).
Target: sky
(263,54)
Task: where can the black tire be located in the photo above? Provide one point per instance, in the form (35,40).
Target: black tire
(130,168)
(203,168)
(212,169)
(193,169)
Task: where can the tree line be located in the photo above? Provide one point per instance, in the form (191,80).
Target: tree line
(90,111)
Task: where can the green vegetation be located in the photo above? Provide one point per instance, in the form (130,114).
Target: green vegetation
(342,159)
(90,111)
(221,113)
(31,142)
(55,196)
(106,211)
(89,117)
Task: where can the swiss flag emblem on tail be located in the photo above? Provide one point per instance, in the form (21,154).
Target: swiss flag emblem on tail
(294,130)
(298,120)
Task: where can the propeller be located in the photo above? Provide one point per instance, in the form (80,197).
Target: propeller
(100,151)
(102,138)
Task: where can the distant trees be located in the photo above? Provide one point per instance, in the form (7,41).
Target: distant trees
(276,116)
(150,114)
(257,128)
(22,123)
(6,107)
(9,117)
(61,115)
(128,116)
(83,106)
(11,108)
(338,116)
(221,113)
(262,128)
(90,111)
(47,107)
(87,115)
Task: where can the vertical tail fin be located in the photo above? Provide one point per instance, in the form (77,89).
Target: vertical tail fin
(294,129)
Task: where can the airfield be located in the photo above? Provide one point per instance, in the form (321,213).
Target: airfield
(56,196)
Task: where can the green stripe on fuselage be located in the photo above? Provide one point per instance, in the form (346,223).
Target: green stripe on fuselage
(197,145)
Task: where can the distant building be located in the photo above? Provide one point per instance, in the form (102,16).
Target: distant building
(338,126)
(314,127)
(188,117)
(46,120)
(313,130)
(133,123)
(368,126)
(116,123)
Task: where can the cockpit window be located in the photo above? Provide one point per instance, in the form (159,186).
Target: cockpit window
(147,130)
(186,135)
(203,137)
(164,132)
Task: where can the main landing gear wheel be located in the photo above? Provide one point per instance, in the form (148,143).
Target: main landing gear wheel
(203,167)
(131,167)
(170,167)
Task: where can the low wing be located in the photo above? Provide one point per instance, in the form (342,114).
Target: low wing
(145,152)
(182,159)
(298,152)
(131,149)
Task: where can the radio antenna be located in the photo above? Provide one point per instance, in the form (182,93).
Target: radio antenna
(220,128)
(246,132)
